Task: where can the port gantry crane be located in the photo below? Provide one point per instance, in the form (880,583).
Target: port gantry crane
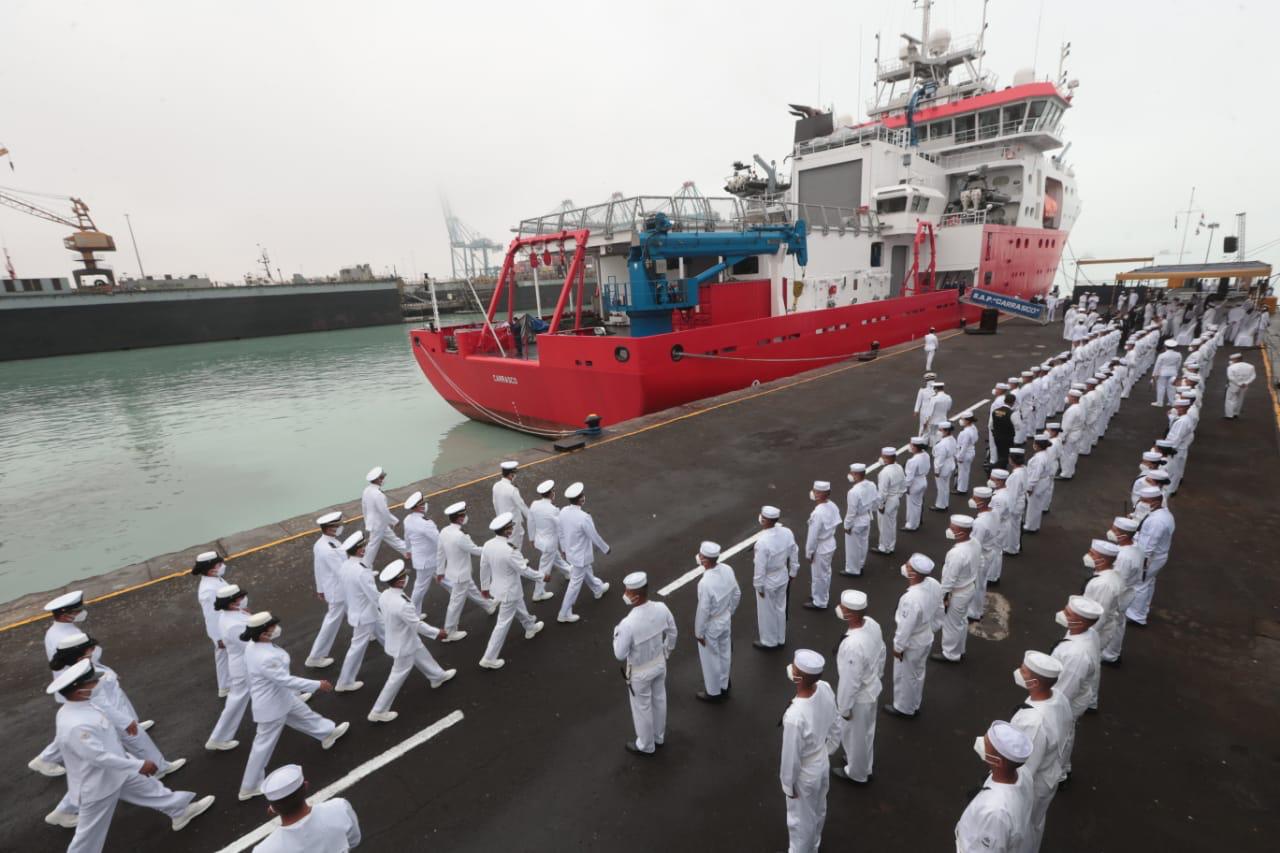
(85,240)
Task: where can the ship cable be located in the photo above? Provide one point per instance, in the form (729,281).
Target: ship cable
(830,358)
(494,415)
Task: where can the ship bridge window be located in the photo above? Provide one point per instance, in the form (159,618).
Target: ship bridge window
(988,123)
(1013,116)
(895,204)
(964,128)
(877,254)
(939,129)
(919,204)
(1037,110)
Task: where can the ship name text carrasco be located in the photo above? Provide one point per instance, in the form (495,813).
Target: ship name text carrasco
(509,380)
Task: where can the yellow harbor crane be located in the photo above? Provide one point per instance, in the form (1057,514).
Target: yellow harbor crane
(85,239)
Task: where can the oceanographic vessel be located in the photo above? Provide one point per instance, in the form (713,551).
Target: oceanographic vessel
(886,228)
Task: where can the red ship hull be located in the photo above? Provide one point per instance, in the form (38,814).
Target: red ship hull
(620,377)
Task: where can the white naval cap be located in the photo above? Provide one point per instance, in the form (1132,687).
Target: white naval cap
(1002,386)
(852,599)
(78,638)
(1075,392)
(964,522)
(257,620)
(1125,523)
(771,512)
(455,508)
(1235,356)
(918,441)
(857,468)
(66,601)
(1027,374)
(78,673)
(1055,426)
(1042,664)
(227,592)
(1181,403)
(821,486)
(888,451)
(939,384)
(1159,475)
(1170,343)
(809,662)
(1009,741)
(353,540)
(1152,456)
(931,375)
(501,521)
(983,493)
(966,416)
(944,424)
(208,557)
(1165,443)
(374,473)
(282,782)
(1104,547)
(509,465)
(413,500)
(999,474)
(1085,608)
(636,580)
(574,491)
(1040,436)
(545,487)
(710,550)
(329,518)
(920,563)
(1017,451)
(391,571)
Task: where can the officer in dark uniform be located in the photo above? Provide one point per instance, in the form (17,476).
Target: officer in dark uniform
(1002,429)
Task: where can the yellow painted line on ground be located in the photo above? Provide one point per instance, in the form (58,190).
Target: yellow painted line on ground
(1271,385)
(295,536)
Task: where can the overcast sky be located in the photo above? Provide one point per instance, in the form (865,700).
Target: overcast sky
(327,131)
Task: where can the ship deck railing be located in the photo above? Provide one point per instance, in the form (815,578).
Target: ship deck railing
(964,217)
(844,136)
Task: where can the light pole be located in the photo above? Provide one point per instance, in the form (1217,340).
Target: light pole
(141,273)
(1211,226)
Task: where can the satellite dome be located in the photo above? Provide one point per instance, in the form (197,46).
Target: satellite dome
(1023,76)
(844,120)
(939,41)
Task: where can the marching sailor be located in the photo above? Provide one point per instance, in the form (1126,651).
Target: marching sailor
(210,568)
(404,630)
(378,520)
(718,597)
(579,539)
(863,498)
(544,529)
(923,407)
(501,568)
(507,498)
(930,348)
(424,546)
(810,723)
(643,641)
(820,544)
(68,615)
(453,570)
(232,604)
(777,562)
(860,662)
(328,827)
(327,557)
(361,595)
(939,408)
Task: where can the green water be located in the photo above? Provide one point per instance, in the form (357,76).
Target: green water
(113,458)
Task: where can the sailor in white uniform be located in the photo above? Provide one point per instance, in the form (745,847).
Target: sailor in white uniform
(379,523)
(99,771)
(966,450)
(1240,375)
(1155,535)
(544,529)
(502,567)
(1106,587)
(810,725)
(820,544)
(777,562)
(361,595)
(863,498)
(891,485)
(580,541)
(327,556)
(998,818)
(1001,508)
(988,532)
(923,407)
(944,465)
(916,473)
(643,641)
(1079,653)
(232,604)
(1168,365)
(453,570)
(918,617)
(68,615)
(424,545)
(1073,422)
(404,630)
(507,498)
(1016,484)
(959,581)
(718,598)
(939,410)
(1128,564)
(930,348)
(860,663)
(273,693)
(1045,718)
(327,827)
(211,569)
(1039,481)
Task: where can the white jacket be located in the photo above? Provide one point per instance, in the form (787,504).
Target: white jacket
(327,557)
(404,625)
(860,662)
(777,558)
(360,592)
(544,525)
(501,568)
(919,615)
(424,541)
(273,690)
(377,515)
(718,597)
(96,763)
(454,553)
(578,536)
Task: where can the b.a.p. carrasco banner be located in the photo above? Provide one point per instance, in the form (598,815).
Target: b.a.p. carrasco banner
(1007,304)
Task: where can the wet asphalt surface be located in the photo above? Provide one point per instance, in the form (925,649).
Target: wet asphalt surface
(1182,756)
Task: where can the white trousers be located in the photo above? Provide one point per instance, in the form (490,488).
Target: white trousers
(232,711)
(1013,530)
(887,521)
(855,546)
(1112,650)
(422,579)
(807,811)
(1145,590)
(360,637)
(1040,801)
(715,654)
(915,503)
(908,678)
(547,562)
(978,602)
(300,718)
(1070,453)
(1037,503)
(220,665)
(147,791)
(820,577)
(507,612)
(1235,399)
(649,707)
(963,467)
(579,575)
(377,536)
(771,616)
(419,659)
(928,359)
(858,737)
(1165,395)
(942,483)
(459,592)
(334,616)
(142,746)
(955,623)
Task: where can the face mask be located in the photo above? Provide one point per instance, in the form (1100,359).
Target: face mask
(991,484)
(973,504)
(81,615)
(219,571)
(1111,536)
(949,533)
(1061,618)
(1141,510)
(96,654)
(338,532)
(276,632)
(980,747)
(1018,679)
(849,477)
(1088,562)
(812,496)
(791,674)
(839,611)
(244,603)
(903,570)
(462,522)
(626,599)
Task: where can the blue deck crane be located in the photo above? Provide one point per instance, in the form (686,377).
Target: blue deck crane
(650,296)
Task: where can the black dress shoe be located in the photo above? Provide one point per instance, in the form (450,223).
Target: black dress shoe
(765,648)
(702,695)
(631,747)
(941,658)
(1115,662)
(840,773)
(809,605)
(938,509)
(894,712)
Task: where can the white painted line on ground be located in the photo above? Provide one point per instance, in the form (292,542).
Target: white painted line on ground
(369,767)
(903,449)
(695,573)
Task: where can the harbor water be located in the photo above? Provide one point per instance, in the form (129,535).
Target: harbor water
(112,458)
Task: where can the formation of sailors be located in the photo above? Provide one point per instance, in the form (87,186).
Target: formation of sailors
(107,754)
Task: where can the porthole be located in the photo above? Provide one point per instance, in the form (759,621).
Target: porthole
(622,354)
(677,352)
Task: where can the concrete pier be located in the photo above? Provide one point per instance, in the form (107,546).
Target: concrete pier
(1181,755)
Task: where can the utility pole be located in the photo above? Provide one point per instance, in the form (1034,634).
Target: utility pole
(1211,226)
(141,273)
